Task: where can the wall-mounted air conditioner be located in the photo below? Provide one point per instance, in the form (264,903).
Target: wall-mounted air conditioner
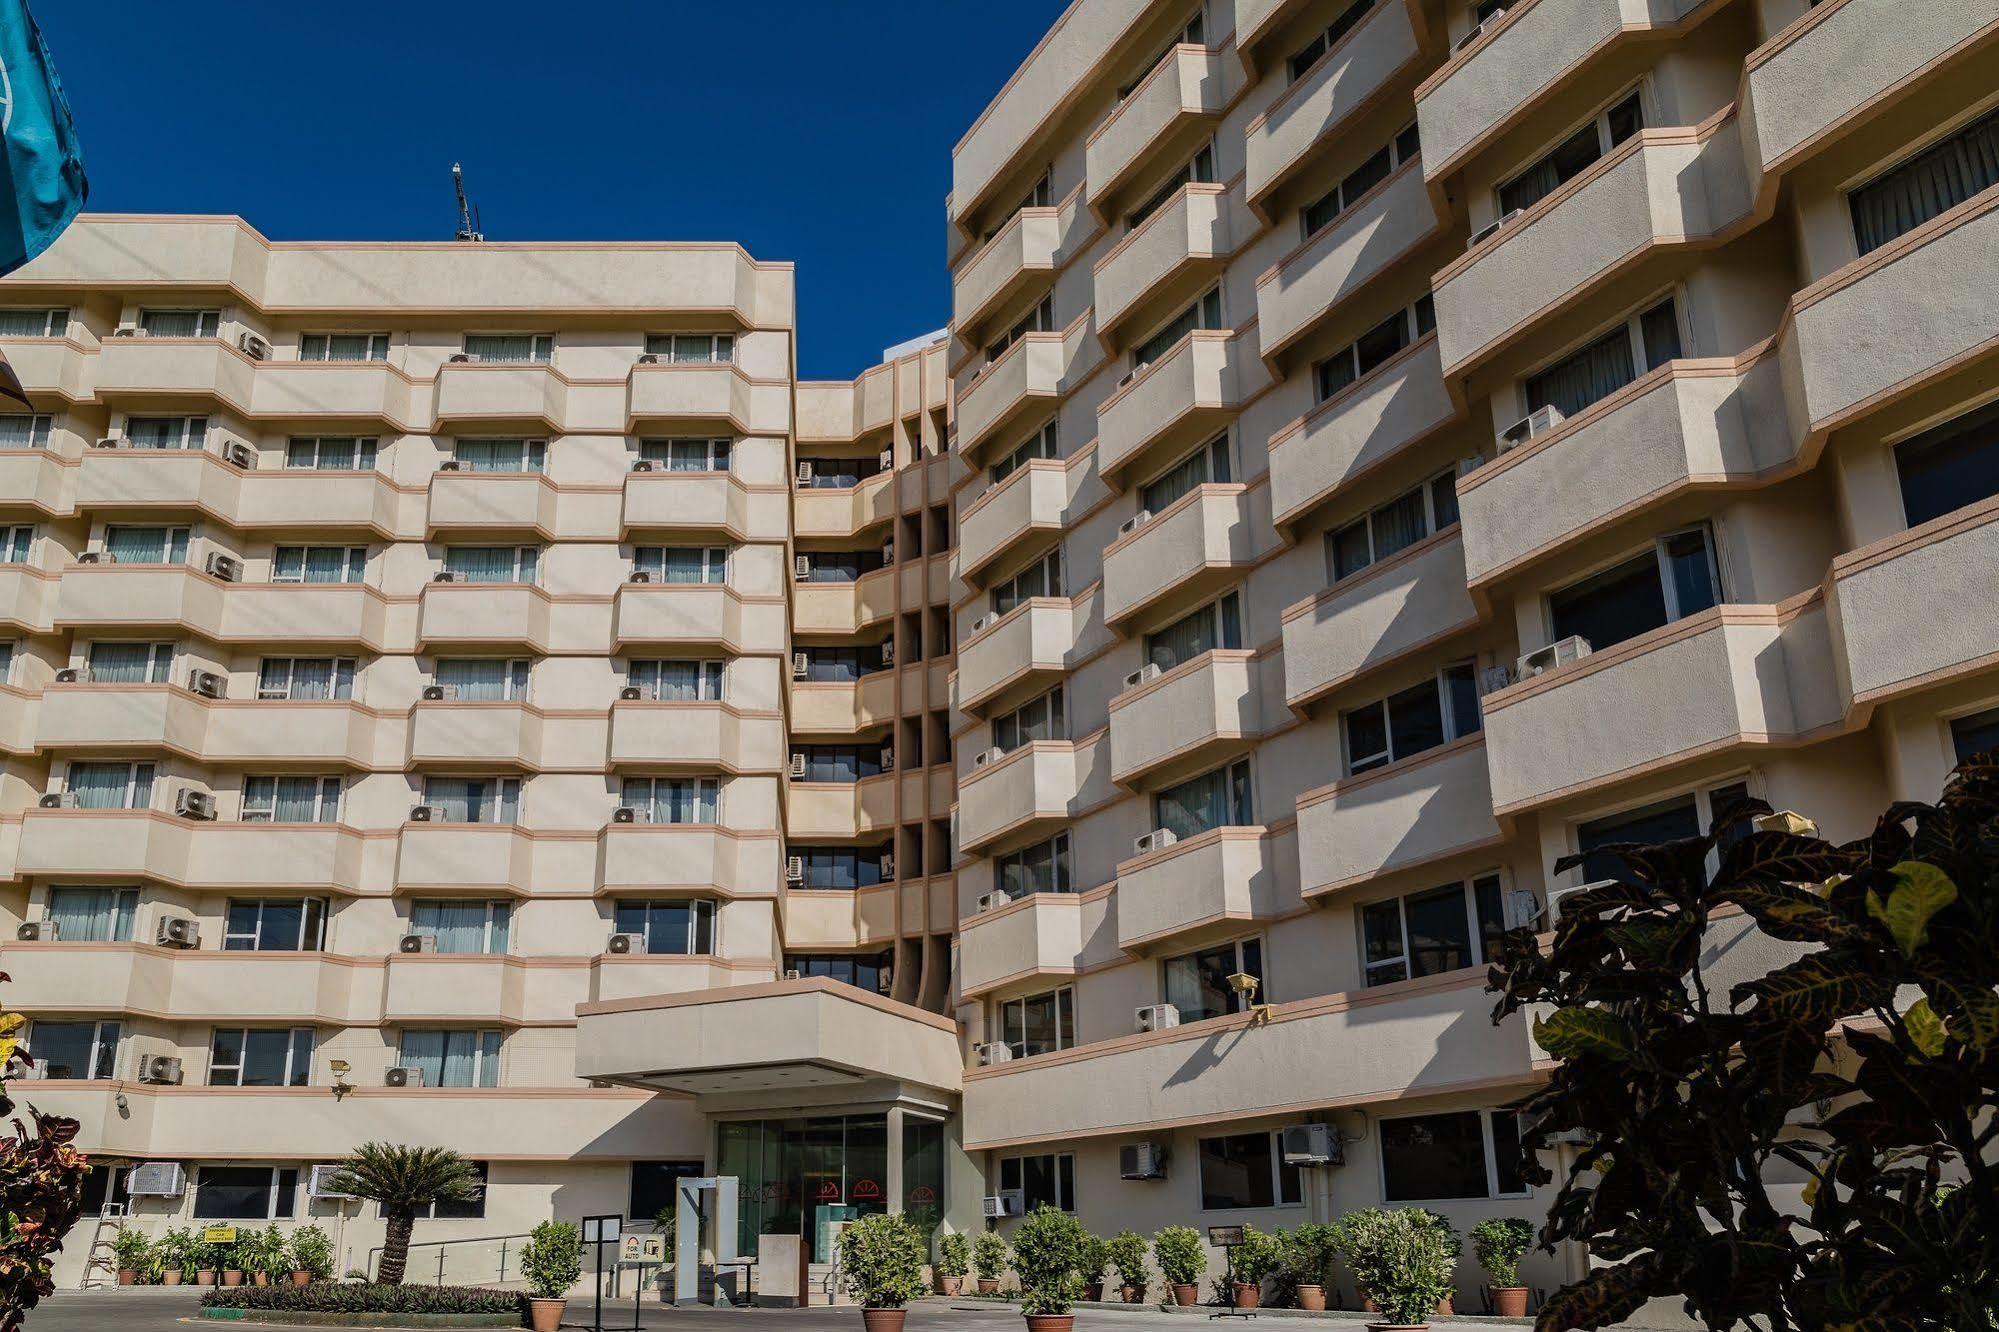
(985,622)
(801,567)
(888,653)
(1007,1202)
(1141,1160)
(984,757)
(636,694)
(623,944)
(109,442)
(1558,653)
(38,931)
(440,693)
(445,576)
(208,684)
(793,973)
(422,813)
(1155,1017)
(240,456)
(59,800)
(192,804)
(1491,229)
(225,567)
(1312,1145)
(888,867)
(399,1076)
(1149,671)
(177,932)
(642,465)
(991,901)
(993,1052)
(156,1179)
(887,459)
(1538,422)
(798,767)
(253,346)
(161,1071)
(418,943)
(463,358)
(1481,30)
(318,1184)
(73,675)
(638,575)
(804,474)
(632,814)
(1156,840)
(799,665)
(794,869)
(888,758)
(1133,523)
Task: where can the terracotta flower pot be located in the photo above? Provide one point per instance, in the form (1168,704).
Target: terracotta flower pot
(301,1276)
(950,1285)
(545,1315)
(1050,1322)
(1311,1298)
(883,1320)
(1367,1304)
(204,1276)
(260,1278)
(173,1278)
(1132,1294)
(988,1285)
(1445,1309)
(128,1276)
(1247,1294)
(232,1276)
(1186,1294)
(1509,1301)
(1093,1291)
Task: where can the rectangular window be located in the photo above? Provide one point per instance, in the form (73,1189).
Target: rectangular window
(145,545)
(687,455)
(655,1187)
(838,763)
(1198,169)
(180,323)
(1215,625)
(500,455)
(291,799)
(1198,983)
(1041,319)
(260,1057)
(1950,467)
(305,679)
(330,453)
(344,347)
(863,971)
(1395,526)
(839,868)
(1321,213)
(492,564)
(245,1193)
(676,927)
(275,924)
(74,1051)
(22,431)
(1039,1023)
(840,665)
(682,564)
(1574,155)
(93,915)
(319,564)
(1041,868)
(1374,348)
(33,323)
(678,681)
(674,799)
(839,473)
(1592,373)
(1418,718)
(484,679)
(474,799)
(452,1057)
(1678,577)
(511,348)
(1974,735)
(1214,799)
(1206,465)
(1043,443)
(131,663)
(1204,313)
(839,566)
(468,926)
(7,661)
(1326,39)
(1468,1154)
(1666,821)
(1928,185)
(1049,1178)
(692,348)
(110,785)
(1441,929)
(17,543)
(1043,578)
(1247,1170)
(1037,719)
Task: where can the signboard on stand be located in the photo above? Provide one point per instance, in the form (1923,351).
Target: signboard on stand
(642,1250)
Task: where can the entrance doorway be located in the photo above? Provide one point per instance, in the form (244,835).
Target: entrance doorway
(804,1176)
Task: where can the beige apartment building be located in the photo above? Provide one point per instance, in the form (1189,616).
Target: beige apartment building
(1381,446)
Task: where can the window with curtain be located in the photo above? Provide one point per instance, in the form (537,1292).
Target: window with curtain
(181,323)
(305,679)
(687,455)
(1198,983)
(344,347)
(275,924)
(500,455)
(1217,799)
(510,347)
(474,799)
(1204,313)
(17,543)
(1327,38)
(1574,155)
(146,545)
(291,799)
(1413,720)
(319,564)
(1374,348)
(492,564)
(452,1058)
(1643,342)
(1041,868)
(1043,578)
(839,473)
(692,348)
(1206,465)
(838,868)
(679,681)
(93,915)
(863,971)
(1395,526)
(1041,319)
(1048,1178)
(260,1057)
(468,926)
(22,431)
(682,564)
(1198,169)
(330,453)
(838,763)
(1447,928)
(1037,719)
(1928,185)
(1357,184)
(1215,625)
(1664,821)
(1678,577)
(674,799)
(165,432)
(111,785)
(1037,1024)
(33,323)
(484,679)
(245,1193)
(1949,467)
(838,665)
(85,1051)
(672,927)
(839,566)
(131,663)
(1043,443)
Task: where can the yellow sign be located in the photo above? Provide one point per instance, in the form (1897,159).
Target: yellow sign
(642,1250)
(219,1234)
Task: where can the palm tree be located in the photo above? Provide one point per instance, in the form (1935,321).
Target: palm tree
(405,1181)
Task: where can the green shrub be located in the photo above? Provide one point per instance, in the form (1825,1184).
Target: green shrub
(954,1254)
(1127,1255)
(989,1255)
(667,1225)
(882,1255)
(1055,1295)
(1047,1248)
(175,1250)
(1254,1258)
(135,1253)
(310,1251)
(337,1297)
(552,1259)
(1180,1254)
(1308,1254)
(201,1255)
(1095,1257)
(263,1251)
(1403,1260)
(1499,1243)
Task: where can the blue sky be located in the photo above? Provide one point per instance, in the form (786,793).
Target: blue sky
(613,119)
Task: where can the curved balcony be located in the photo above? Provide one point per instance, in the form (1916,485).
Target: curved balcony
(1030,792)
(1891,599)
(668,394)
(448,857)
(831,707)
(1409,602)
(1159,122)
(116,845)
(453,988)
(1028,377)
(633,976)
(182,986)
(1041,934)
(1186,719)
(1028,509)
(704,736)
(325,501)
(28,598)
(1163,263)
(844,512)
(360,394)
(477,615)
(1032,643)
(101,598)
(697,615)
(52,368)
(1197,545)
(483,735)
(1413,813)
(500,396)
(336,732)
(98,718)
(703,502)
(651,857)
(495,504)
(841,811)
(138,372)
(844,608)
(1204,885)
(1020,260)
(1192,391)
(832,920)
(36,479)
(199,481)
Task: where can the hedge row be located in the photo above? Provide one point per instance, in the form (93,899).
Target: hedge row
(334,1297)
(267,1317)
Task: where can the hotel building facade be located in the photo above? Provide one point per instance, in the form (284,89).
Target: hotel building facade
(1381,446)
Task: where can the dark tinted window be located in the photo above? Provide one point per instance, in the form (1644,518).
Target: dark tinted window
(1666,822)
(1954,465)
(1977,734)
(1616,604)
(653,1186)
(1243,1170)
(1433,1156)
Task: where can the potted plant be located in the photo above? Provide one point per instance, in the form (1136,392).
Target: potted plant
(1249,1263)
(133,1253)
(1127,1255)
(954,1259)
(1499,1243)
(1182,1258)
(1050,1248)
(1307,1260)
(310,1255)
(202,1257)
(881,1256)
(174,1255)
(1404,1263)
(1096,1256)
(1448,1233)
(1351,1231)
(265,1257)
(552,1262)
(989,1261)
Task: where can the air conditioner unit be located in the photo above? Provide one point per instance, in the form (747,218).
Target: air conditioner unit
(1149,671)
(422,813)
(18,1069)
(97,557)
(38,931)
(1538,422)
(888,551)
(1133,523)
(993,755)
(888,868)
(1481,30)
(888,653)
(1007,1202)
(464,358)
(794,869)
(798,765)
(636,694)
(638,575)
(1491,229)
(240,456)
(207,683)
(1556,896)
(59,800)
(418,943)
(992,901)
(163,1070)
(1493,679)
(985,622)
(109,442)
(793,973)
(445,576)
(887,459)
(225,567)
(73,675)
(437,693)
(888,758)
(156,1179)
(642,465)
(318,1184)
(1312,1145)
(799,666)
(400,1076)
(804,474)
(1571,1138)
(885,980)
(648,358)
(1141,1160)
(177,932)
(623,944)
(993,1052)
(801,567)
(451,465)
(632,814)
(1156,1017)
(192,804)
(1559,653)
(1134,373)
(130,331)
(1466,466)
(1156,840)
(253,346)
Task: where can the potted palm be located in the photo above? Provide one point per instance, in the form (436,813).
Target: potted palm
(174,1254)
(954,1259)
(309,1253)
(1096,1256)
(133,1253)
(1405,1263)
(1250,1261)
(881,1256)
(989,1261)
(1499,1243)
(404,1181)
(1307,1260)
(1050,1249)
(1182,1258)
(552,1262)
(1127,1255)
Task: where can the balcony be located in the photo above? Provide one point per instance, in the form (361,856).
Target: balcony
(146,844)
(357,394)
(1029,791)
(1727,678)
(1028,377)
(339,733)
(1031,505)
(1193,548)
(1890,599)
(165,482)
(28,598)
(1407,603)
(500,396)
(836,919)
(1306,120)
(1343,439)
(635,976)
(1041,934)
(139,481)
(496,857)
(437,987)
(1413,813)
(1164,263)
(704,736)
(696,395)
(1184,720)
(453,615)
(841,811)
(1396,1042)
(1303,290)
(495,504)
(1032,643)
(52,368)
(1660,188)
(178,373)
(650,857)
(1524,57)
(36,479)
(697,615)
(111,597)
(1018,261)
(208,984)
(20,722)
(338,502)
(1204,885)
(121,717)
(1190,393)
(844,608)
(1159,123)
(834,707)
(700,503)
(484,735)
(845,511)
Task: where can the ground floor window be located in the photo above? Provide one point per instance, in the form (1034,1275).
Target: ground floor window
(245,1193)
(655,1186)
(1048,1178)
(1247,1170)
(1975,734)
(1467,1154)
(472,1209)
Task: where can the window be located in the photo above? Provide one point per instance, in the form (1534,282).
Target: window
(1247,1170)
(319,564)
(1928,185)
(484,679)
(1946,468)
(1643,342)
(839,473)
(260,1057)
(1573,155)
(1198,983)
(474,799)
(291,799)
(1215,625)
(17,543)
(131,663)
(33,323)
(1043,578)
(492,564)
(6,660)
(1040,195)
(1447,928)
(111,785)
(839,868)
(452,1058)
(1207,465)
(1043,443)
(682,564)
(1037,719)
(1676,578)
(1041,868)
(245,1193)
(1323,211)
(687,455)
(1198,169)
(275,924)
(1374,348)
(306,679)
(1419,718)
(1193,34)
(21,431)
(1041,319)
(469,926)
(1976,734)
(1470,1154)
(512,348)
(677,927)
(674,799)
(344,347)
(145,545)
(77,1051)
(863,972)
(1039,1023)
(1048,1178)
(839,566)
(1215,799)
(840,665)
(1308,55)
(655,1187)
(1205,312)
(471,1209)
(838,763)
(1395,526)
(692,348)
(1666,821)
(181,323)
(93,915)
(500,455)
(678,681)
(330,453)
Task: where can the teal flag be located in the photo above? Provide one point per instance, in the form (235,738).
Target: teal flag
(45,187)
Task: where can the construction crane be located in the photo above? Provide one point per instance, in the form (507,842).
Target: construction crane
(468,229)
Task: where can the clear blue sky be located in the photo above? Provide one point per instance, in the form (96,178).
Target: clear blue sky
(815,132)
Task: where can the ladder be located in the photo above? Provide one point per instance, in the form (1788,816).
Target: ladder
(100,1267)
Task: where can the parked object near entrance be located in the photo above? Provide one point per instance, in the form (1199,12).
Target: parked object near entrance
(989,1261)
(552,1262)
(1181,1259)
(954,1258)
(881,1259)
(1127,1254)
(1500,1242)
